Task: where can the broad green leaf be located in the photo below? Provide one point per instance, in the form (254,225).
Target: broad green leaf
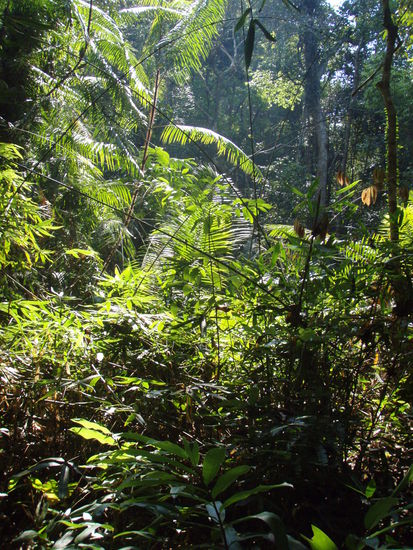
(192,452)
(320,540)
(242,495)
(93,434)
(170,447)
(227,479)
(92,425)
(378,511)
(166,446)
(212,463)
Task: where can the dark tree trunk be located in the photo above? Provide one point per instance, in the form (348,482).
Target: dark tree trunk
(401,282)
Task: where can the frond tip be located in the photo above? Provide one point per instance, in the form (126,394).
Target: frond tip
(225,147)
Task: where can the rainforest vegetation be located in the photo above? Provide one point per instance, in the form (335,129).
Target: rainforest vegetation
(206,249)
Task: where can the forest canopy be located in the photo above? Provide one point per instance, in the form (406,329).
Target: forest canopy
(206,254)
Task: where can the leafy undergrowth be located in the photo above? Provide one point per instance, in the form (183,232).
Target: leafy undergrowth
(195,400)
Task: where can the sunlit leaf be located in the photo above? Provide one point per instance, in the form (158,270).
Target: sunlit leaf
(320,540)
(93,434)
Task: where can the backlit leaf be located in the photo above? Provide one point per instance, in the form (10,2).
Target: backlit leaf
(320,540)
(93,434)
(369,195)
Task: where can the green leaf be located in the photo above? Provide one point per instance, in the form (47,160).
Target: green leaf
(80,252)
(370,489)
(241,20)
(267,34)
(166,446)
(192,452)
(227,479)
(170,447)
(212,463)
(275,524)
(216,511)
(27,535)
(242,495)
(92,425)
(93,434)
(249,43)
(378,511)
(182,134)
(320,540)
(405,482)
(63,481)
(290,4)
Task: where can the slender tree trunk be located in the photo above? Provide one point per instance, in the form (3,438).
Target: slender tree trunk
(312,94)
(350,109)
(402,284)
(391,130)
(322,151)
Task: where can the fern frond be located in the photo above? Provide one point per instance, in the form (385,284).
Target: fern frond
(225,147)
(193,35)
(113,52)
(282,231)
(131,13)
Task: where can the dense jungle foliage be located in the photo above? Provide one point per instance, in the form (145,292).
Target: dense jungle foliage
(205,268)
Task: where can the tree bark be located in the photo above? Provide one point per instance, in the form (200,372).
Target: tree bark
(312,94)
(350,109)
(401,282)
(391,130)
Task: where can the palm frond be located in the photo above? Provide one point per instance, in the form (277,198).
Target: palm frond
(225,147)
(130,14)
(281,231)
(193,34)
(405,225)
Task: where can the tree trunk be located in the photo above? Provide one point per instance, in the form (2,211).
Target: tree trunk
(312,94)
(391,130)
(350,109)
(401,282)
